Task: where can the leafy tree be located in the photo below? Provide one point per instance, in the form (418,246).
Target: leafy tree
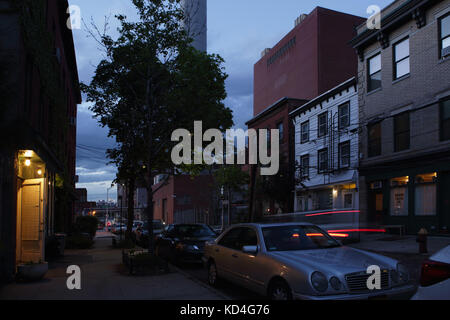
(150,83)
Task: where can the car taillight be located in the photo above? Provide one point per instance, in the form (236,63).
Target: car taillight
(434,272)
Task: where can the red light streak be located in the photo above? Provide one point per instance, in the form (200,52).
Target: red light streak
(331,212)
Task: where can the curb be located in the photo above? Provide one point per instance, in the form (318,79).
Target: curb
(201,283)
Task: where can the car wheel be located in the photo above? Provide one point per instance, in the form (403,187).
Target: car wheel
(213,278)
(279,290)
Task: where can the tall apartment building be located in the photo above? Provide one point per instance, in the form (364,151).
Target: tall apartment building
(404,101)
(39,94)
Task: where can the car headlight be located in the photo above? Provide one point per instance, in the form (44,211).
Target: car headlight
(403,273)
(335,283)
(319,281)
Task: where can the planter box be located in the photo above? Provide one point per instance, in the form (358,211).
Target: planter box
(142,264)
(32,272)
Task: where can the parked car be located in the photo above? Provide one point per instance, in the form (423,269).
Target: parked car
(184,242)
(300,261)
(119,228)
(435,277)
(141,233)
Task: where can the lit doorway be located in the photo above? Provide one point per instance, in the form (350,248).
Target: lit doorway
(33,188)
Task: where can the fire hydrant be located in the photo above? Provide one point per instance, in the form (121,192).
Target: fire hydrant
(422,239)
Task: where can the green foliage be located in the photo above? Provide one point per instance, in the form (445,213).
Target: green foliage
(86,224)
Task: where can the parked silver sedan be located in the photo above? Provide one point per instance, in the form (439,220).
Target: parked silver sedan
(300,261)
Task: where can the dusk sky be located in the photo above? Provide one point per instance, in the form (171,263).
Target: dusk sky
(238,30)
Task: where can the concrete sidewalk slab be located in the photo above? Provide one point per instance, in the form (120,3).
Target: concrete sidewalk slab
(101,279)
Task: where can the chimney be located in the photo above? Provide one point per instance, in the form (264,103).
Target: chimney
(265,51)
(300,19)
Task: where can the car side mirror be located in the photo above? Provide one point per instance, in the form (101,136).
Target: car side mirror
(250,249)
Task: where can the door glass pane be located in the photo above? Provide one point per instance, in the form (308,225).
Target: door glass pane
(402,50)
(402,68)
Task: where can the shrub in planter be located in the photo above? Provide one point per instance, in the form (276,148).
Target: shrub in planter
(79,241)
(86,224)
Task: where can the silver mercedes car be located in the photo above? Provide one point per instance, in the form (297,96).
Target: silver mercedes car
(302,261)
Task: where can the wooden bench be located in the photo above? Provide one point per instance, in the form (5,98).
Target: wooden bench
(400,227)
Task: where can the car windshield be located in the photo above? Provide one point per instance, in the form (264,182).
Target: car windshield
(293,238)
(194,231)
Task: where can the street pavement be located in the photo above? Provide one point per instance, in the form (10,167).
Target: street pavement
(103,278)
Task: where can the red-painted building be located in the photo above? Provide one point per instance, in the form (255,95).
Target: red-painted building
(39,93)
(184,199)
(312,58)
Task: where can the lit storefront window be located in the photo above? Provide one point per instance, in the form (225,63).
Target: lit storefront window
(399,196)
(425,194)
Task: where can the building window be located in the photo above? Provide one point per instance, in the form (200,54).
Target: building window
(374,139)
(425,195)
(322,124)
(444,34)
(401,132)
(445,120)
(304,166)
(344,155)
(344,115)
(281,130)
(323,160)
(401,59)
(374,78)
(399,196)
(305,132)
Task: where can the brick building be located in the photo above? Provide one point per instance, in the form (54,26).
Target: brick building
(404,99)
(38,107)
(312,58)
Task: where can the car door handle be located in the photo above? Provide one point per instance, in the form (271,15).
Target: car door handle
(234,255)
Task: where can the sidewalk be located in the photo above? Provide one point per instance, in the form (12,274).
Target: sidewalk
(102,278)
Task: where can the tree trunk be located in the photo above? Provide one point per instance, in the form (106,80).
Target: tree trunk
(130,205)
(150,212)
